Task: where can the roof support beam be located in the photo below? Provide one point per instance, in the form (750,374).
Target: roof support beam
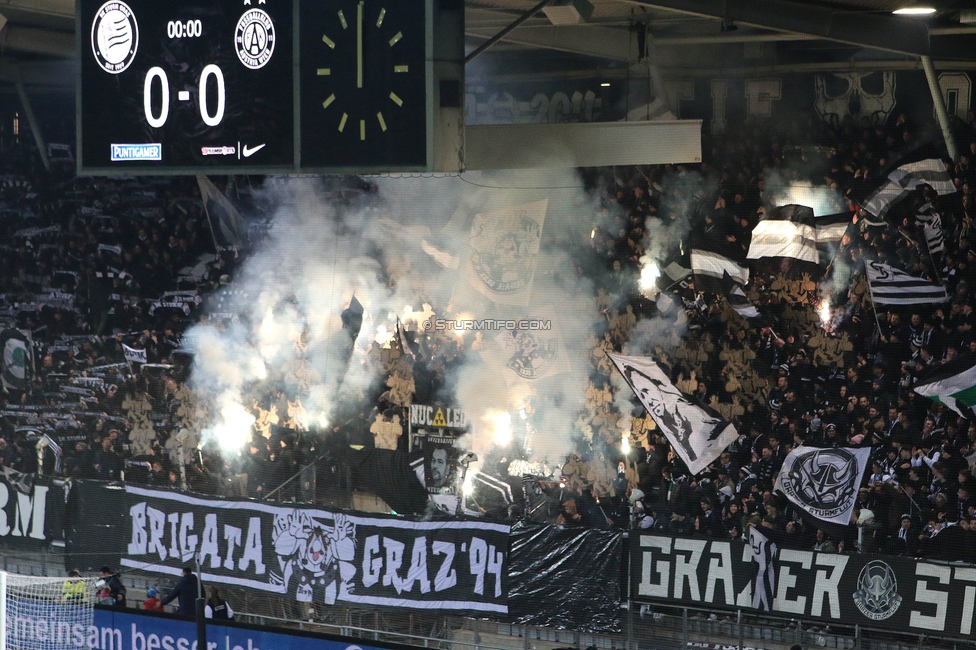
(603,42)
(866,30)
(15,38)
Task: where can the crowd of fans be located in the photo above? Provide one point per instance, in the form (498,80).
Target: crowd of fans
(843,377)
(93,267)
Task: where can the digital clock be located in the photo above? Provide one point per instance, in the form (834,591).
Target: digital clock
(188,29)
(186,86)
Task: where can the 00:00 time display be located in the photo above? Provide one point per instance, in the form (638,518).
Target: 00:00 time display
(158,120)
(189,29)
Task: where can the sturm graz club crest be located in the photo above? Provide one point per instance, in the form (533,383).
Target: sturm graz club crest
(534,354)
(877,591)
(114,37)
(255,38)
(505,265)
(824,481)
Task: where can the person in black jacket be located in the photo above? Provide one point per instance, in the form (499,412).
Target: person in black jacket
(113,583)
(217,607)
(186,591)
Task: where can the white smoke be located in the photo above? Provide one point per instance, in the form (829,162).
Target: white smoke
(325,248)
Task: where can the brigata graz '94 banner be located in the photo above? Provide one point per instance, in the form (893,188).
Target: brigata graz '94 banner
(868,590)
(318,555)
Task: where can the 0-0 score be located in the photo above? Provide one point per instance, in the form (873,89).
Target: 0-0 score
(210,119)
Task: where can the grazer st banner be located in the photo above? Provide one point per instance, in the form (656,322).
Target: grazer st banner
(317,555)
(868,590)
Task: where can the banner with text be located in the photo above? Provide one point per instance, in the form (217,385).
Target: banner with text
(316,555)
(867,590)
(31,510)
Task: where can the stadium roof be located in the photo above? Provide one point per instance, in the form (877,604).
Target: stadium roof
(37,36)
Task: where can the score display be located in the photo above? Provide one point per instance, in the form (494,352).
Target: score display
(185,84)
(255,86)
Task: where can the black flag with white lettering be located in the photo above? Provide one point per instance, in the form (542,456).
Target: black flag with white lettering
(313,555)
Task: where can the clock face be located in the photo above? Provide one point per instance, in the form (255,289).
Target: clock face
(364,84)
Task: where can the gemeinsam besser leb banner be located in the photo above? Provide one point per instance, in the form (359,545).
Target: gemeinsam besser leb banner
(318,555)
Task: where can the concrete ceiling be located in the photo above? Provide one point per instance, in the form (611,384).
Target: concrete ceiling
(37,39)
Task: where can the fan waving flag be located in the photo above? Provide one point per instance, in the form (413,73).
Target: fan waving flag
(891,286)
(922,166)
(697,433)
(952,384)
(15,361)
(823,483)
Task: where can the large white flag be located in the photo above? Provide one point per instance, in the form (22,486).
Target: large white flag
(531,351)
(784,239)
(697,433)
(504,250)
(134,355)
(824,482)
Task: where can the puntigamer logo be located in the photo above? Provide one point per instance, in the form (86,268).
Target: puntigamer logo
(148,151)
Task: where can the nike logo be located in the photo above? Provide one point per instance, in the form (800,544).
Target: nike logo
(247,151)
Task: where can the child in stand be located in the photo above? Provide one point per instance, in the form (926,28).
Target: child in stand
(105,597)
(151,603)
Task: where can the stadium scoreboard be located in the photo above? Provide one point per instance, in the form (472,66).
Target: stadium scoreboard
(258,86)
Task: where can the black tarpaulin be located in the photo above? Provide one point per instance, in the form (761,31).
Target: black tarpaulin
(387,474)
(564,577)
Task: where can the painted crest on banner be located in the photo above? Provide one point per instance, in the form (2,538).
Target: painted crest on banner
(877,591)
(505,261)
(315,560)
(824,481)
(858,99)
(533,353)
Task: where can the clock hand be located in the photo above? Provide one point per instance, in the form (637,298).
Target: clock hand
(359,45)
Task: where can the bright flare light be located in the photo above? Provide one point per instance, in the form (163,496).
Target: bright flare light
(501,422)
(234,429)
(383,335)
(459,322)
(625,444)
(649,275)
(824,313)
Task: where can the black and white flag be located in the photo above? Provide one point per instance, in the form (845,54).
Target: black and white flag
(697,433)
(831,228)
(763,554)
(784,239)
(932,227)
(711,268)
(920,167)
(891,286)
(740,303)
(823,483)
